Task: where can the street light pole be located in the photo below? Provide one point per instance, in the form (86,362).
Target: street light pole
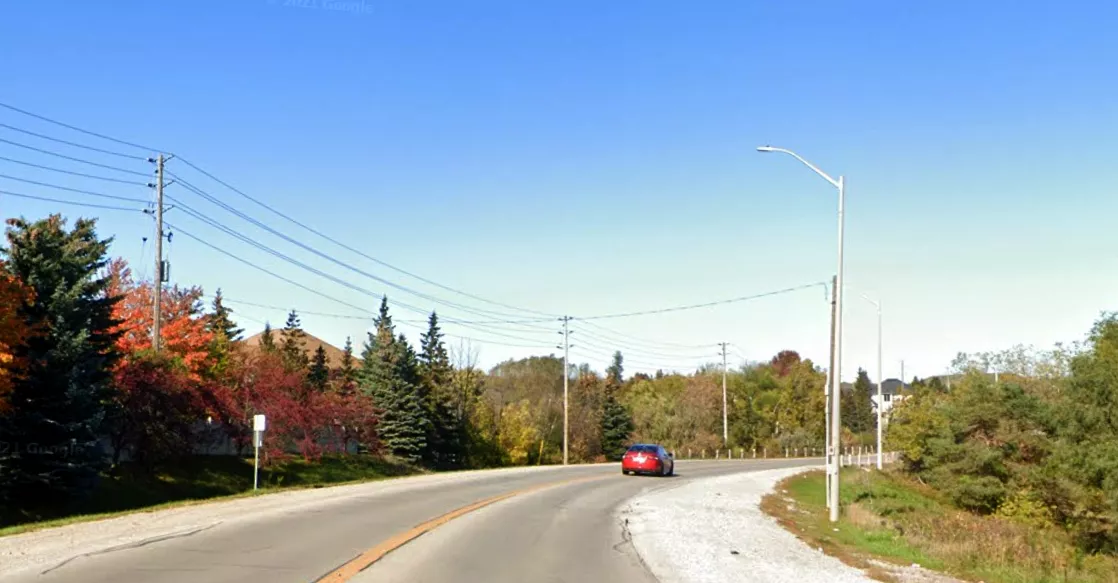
(880,379)
(725,417)
(836,378)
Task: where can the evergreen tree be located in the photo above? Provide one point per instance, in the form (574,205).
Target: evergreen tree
(617,425)
(445,441)
(348,372)
(225,333)
(389,375)
(267,339)
(220,322)
(615,372)
(319,374)
(857,407)
(293,344)
(59,404)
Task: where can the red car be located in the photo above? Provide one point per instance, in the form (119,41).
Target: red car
(648,459)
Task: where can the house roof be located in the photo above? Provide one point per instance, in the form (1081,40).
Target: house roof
(333,353)
(889,387)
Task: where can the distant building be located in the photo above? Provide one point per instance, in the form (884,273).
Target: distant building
(893,391)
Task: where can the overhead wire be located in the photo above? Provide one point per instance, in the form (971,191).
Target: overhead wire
(69,202)
(186,209)
(329,257)
(69,143)
(78,129)
(356,251)
(71,172)
(74,190)
(699,306)
(72,158)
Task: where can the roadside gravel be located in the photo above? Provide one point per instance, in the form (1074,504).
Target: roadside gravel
(47,548)
(713,531)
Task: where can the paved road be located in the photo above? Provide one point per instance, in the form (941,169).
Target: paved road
(565,532)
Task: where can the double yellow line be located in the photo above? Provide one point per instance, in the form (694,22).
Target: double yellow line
(367,558)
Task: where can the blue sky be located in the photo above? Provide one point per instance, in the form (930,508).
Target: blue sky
(597,157)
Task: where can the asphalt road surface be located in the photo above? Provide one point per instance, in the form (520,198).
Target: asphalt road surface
(561,526)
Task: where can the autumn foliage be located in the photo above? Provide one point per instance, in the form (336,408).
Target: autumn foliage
(13,331)
(164,400)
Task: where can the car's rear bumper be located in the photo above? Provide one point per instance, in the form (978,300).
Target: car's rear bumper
(645,468)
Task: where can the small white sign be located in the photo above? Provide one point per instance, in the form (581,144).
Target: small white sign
(259,423)
(258,438)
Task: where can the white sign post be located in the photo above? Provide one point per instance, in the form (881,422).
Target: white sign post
(259,424)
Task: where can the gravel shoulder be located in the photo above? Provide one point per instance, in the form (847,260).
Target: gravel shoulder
(713,530)
(45,549)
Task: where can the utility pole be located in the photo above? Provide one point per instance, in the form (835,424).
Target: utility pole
(157,288)
(725,416)
(880,383)
(827,398)
(566,380)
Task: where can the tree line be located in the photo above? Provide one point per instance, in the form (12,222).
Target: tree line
(83,393)
(1038,444)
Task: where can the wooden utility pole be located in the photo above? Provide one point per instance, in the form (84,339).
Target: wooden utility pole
(566,381)
(157,288)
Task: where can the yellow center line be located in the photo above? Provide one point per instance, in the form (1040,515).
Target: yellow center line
(366,559)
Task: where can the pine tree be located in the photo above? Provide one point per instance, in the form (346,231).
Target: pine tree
(225,333)
(445,441)
(267,339)
(220,322)
(319,374)
(617,425)
(59,404)
(348,372)
(390,378)
(293,344)
(615,372)
(857,406)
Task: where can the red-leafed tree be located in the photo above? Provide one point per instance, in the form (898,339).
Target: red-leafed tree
(13,331)
(183,325)
(160,399)
(300,419)
(784,362)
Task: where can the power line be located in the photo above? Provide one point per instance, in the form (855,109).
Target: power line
(64,156)
(358,252)
(75,190)
(70,202)
(318,272)
(329,257)
(697,306)
(71,172)
(367,316)
(68,143)
(77,129)
(261,269)
(613,335)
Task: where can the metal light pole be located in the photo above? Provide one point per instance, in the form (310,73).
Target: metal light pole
(836,378)
(725,418)
(880,379)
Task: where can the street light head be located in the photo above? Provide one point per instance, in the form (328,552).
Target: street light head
(765,148)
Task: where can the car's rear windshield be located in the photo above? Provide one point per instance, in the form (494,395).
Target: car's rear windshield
(644,448)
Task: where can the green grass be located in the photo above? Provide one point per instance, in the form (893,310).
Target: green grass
(891,518)
(199,479)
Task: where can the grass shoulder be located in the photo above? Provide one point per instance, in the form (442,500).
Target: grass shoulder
(201,479)
(890,522)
